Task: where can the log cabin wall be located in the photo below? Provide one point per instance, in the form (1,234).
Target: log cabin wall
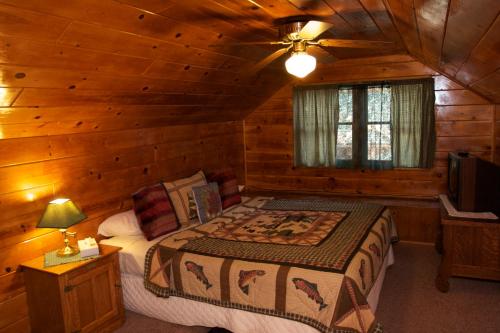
(464,121)
(86,84)
(98,98)
(99,171)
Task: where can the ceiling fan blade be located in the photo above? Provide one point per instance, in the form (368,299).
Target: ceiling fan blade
(352,43)
(248,43)
(313,29)
(321,54)
(266,61)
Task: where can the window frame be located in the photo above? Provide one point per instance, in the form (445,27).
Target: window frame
(426,159)
(359,155)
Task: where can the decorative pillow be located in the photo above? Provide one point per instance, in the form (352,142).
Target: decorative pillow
(208,202)
(179,190)
(154,212)
(192,206)
(121,224)
(228,186)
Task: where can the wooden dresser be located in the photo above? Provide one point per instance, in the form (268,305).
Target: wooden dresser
(84,296)
(470,248)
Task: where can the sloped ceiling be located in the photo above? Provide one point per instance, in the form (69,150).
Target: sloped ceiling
(459,38)
(156,53)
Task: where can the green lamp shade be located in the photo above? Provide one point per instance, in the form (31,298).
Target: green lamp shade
(61,214)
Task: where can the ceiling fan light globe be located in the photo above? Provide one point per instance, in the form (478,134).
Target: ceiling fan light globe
(300,64)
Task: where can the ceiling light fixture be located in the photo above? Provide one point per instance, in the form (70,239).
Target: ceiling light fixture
(300,64)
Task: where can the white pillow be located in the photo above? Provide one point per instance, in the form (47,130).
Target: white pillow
(121,224)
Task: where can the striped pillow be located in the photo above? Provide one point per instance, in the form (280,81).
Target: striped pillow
(228,186)
(154,212)
(179,191)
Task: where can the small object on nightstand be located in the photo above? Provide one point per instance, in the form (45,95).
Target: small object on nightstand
(61,214)
(83,296)
(88,247)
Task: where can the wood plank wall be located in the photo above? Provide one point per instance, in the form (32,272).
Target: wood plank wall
(464,121)
(98,98)
(99,171)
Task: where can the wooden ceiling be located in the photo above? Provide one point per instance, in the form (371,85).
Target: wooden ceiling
(158,52)
(459,38)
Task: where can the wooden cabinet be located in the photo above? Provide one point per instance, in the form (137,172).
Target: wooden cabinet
(470,248)
(85,296)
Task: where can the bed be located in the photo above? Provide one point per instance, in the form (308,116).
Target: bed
(251,270)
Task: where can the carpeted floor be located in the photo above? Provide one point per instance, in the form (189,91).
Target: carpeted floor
(409,302)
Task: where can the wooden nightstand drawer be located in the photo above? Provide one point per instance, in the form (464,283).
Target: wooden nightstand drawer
(77,297)
(91,265)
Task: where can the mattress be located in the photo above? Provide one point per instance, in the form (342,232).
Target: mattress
(191,313)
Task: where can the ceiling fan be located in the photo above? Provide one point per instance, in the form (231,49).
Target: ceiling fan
(298,34)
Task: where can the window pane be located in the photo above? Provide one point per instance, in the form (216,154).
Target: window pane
(379,104)
(345,106)
(379,142)
(344,142)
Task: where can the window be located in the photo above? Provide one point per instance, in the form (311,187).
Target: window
(364,130)
(378,125)
(344,127)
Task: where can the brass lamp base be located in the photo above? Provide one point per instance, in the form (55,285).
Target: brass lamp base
(68,251)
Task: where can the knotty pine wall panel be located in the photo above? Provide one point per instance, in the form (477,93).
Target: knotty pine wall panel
(99,98)
(98,170)
(464,121)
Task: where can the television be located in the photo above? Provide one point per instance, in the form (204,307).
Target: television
(473,183)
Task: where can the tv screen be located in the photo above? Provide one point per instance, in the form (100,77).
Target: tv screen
(473,183)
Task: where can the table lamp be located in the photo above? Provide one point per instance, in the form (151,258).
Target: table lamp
(61,214)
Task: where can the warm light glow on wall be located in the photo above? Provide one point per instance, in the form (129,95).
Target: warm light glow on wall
(30,196)
(3,95)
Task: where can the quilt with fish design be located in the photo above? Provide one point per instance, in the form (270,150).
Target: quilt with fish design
(312,261)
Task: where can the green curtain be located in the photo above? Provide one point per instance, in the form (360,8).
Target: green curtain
(412,121)
(316,113)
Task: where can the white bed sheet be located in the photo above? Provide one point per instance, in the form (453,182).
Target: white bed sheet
(134,248)
(192,313)
(133,252)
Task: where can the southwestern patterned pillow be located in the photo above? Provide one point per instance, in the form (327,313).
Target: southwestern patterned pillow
(208,202)
(179,190)
(228,186)
(154,212)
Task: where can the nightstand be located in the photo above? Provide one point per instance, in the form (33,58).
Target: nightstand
(83,296)
(469,247)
